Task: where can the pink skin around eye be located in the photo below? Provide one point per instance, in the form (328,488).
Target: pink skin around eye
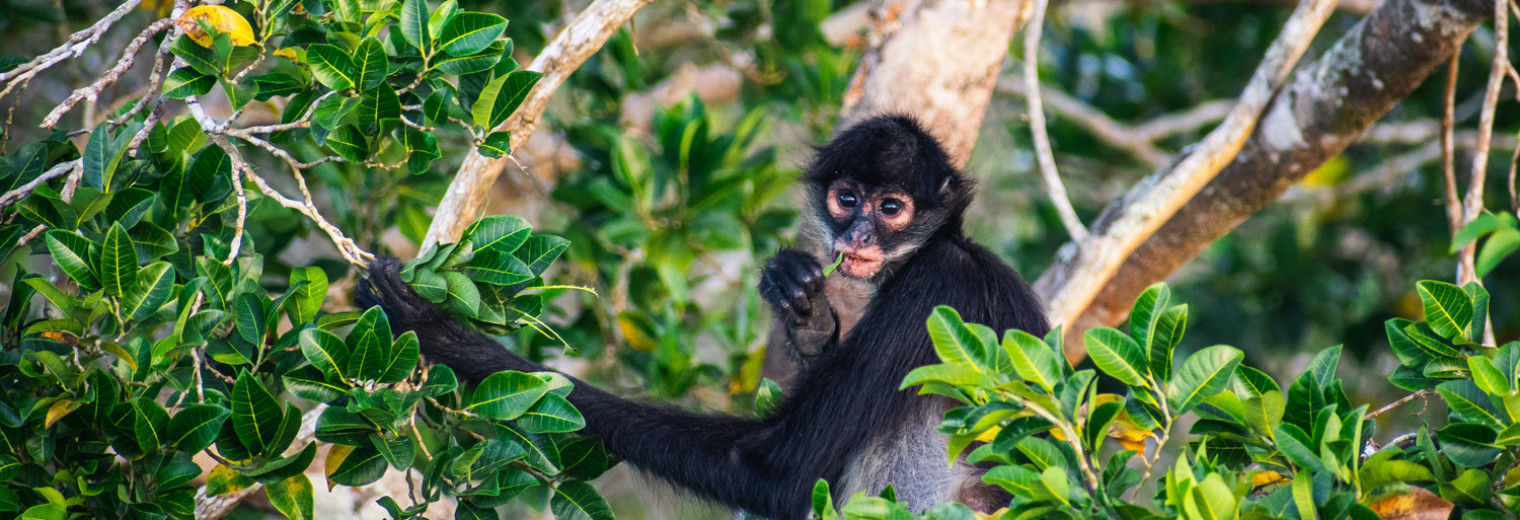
(862,261)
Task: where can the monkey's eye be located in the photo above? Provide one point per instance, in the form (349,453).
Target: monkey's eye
(847,200)
(890,207)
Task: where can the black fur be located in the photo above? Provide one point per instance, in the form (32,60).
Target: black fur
(846,401)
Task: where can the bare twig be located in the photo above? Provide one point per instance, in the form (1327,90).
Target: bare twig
(1448,146)
(1047,159)
(1155,200)
(76,46)
(576,42)
(1472,204)
(14,196)
(1380,411)
(1139,140)
(109,77)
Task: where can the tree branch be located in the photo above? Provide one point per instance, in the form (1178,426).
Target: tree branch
(1071,287)
(109,77)
(1053,184)
(565,53)
(1322,111)
(76,46)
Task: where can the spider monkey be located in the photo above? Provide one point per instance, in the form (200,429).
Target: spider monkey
(886,196)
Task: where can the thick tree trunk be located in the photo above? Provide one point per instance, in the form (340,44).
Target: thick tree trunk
(1322,109)
(937,60)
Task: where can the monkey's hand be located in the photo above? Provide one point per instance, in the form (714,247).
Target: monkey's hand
(472,354)
(792,283)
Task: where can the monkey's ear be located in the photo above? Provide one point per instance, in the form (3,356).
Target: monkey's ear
(944,189)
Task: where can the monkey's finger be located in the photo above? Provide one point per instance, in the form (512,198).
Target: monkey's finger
(808,273)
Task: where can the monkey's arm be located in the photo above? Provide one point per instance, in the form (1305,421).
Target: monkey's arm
(721,457)
(793,284)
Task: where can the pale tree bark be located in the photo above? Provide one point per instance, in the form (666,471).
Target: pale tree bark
(1323,109)
(565,53)
(937,60)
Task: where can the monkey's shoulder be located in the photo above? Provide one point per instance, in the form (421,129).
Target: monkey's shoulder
(973,280)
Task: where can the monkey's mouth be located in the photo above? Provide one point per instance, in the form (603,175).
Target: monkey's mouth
(860,263)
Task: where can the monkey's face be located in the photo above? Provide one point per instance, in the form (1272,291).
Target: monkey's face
(870,225)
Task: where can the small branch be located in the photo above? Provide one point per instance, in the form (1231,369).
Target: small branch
(1472,205)
(14,196)
(1047,159)
(110,76)
(76,46)
(1139,140)
(1380,411)
(565,53)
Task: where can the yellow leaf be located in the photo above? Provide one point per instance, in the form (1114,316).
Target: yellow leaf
(990,434)
(224,19)
(287,53)
(995,515)
(1331,173)
(1267,478)
(121,354)
(60,409)
(636,335)
(223,480)
(335,458)
(1418,504)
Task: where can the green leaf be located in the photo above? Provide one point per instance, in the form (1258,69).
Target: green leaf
(501,233)
(422,148)
(1487,376)
(1483,225)
(349,142)
(325,352)
(209,177)
(1480,298)
(541,453)
(1297,447)
(102,156)
(185,82)
(1033,360)
(507,395)
(464,65)
(150,425)
(202,59)
(953,340)
(72,254)
(1448,309)
(463,296)
(414,24)
(552,414)
(1469,402)
(540,251)
(496,268)
(403,358)
(195,427)
(310,383)
(379,110)
(371,66)
(579,501)
(154,286)
(1205,373)
(331,66)
(1146,314)
(1169,332)
(1117,355)
(362,465)
(496,145)
(1469,445)
(306,301)
(441,380)
(1496,249)
(957,375)
(1381,470)
(293,497)
(256,416)
(399,452)
(118,261)
(470,32)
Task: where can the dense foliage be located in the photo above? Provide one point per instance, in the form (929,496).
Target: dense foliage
(1253,450)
